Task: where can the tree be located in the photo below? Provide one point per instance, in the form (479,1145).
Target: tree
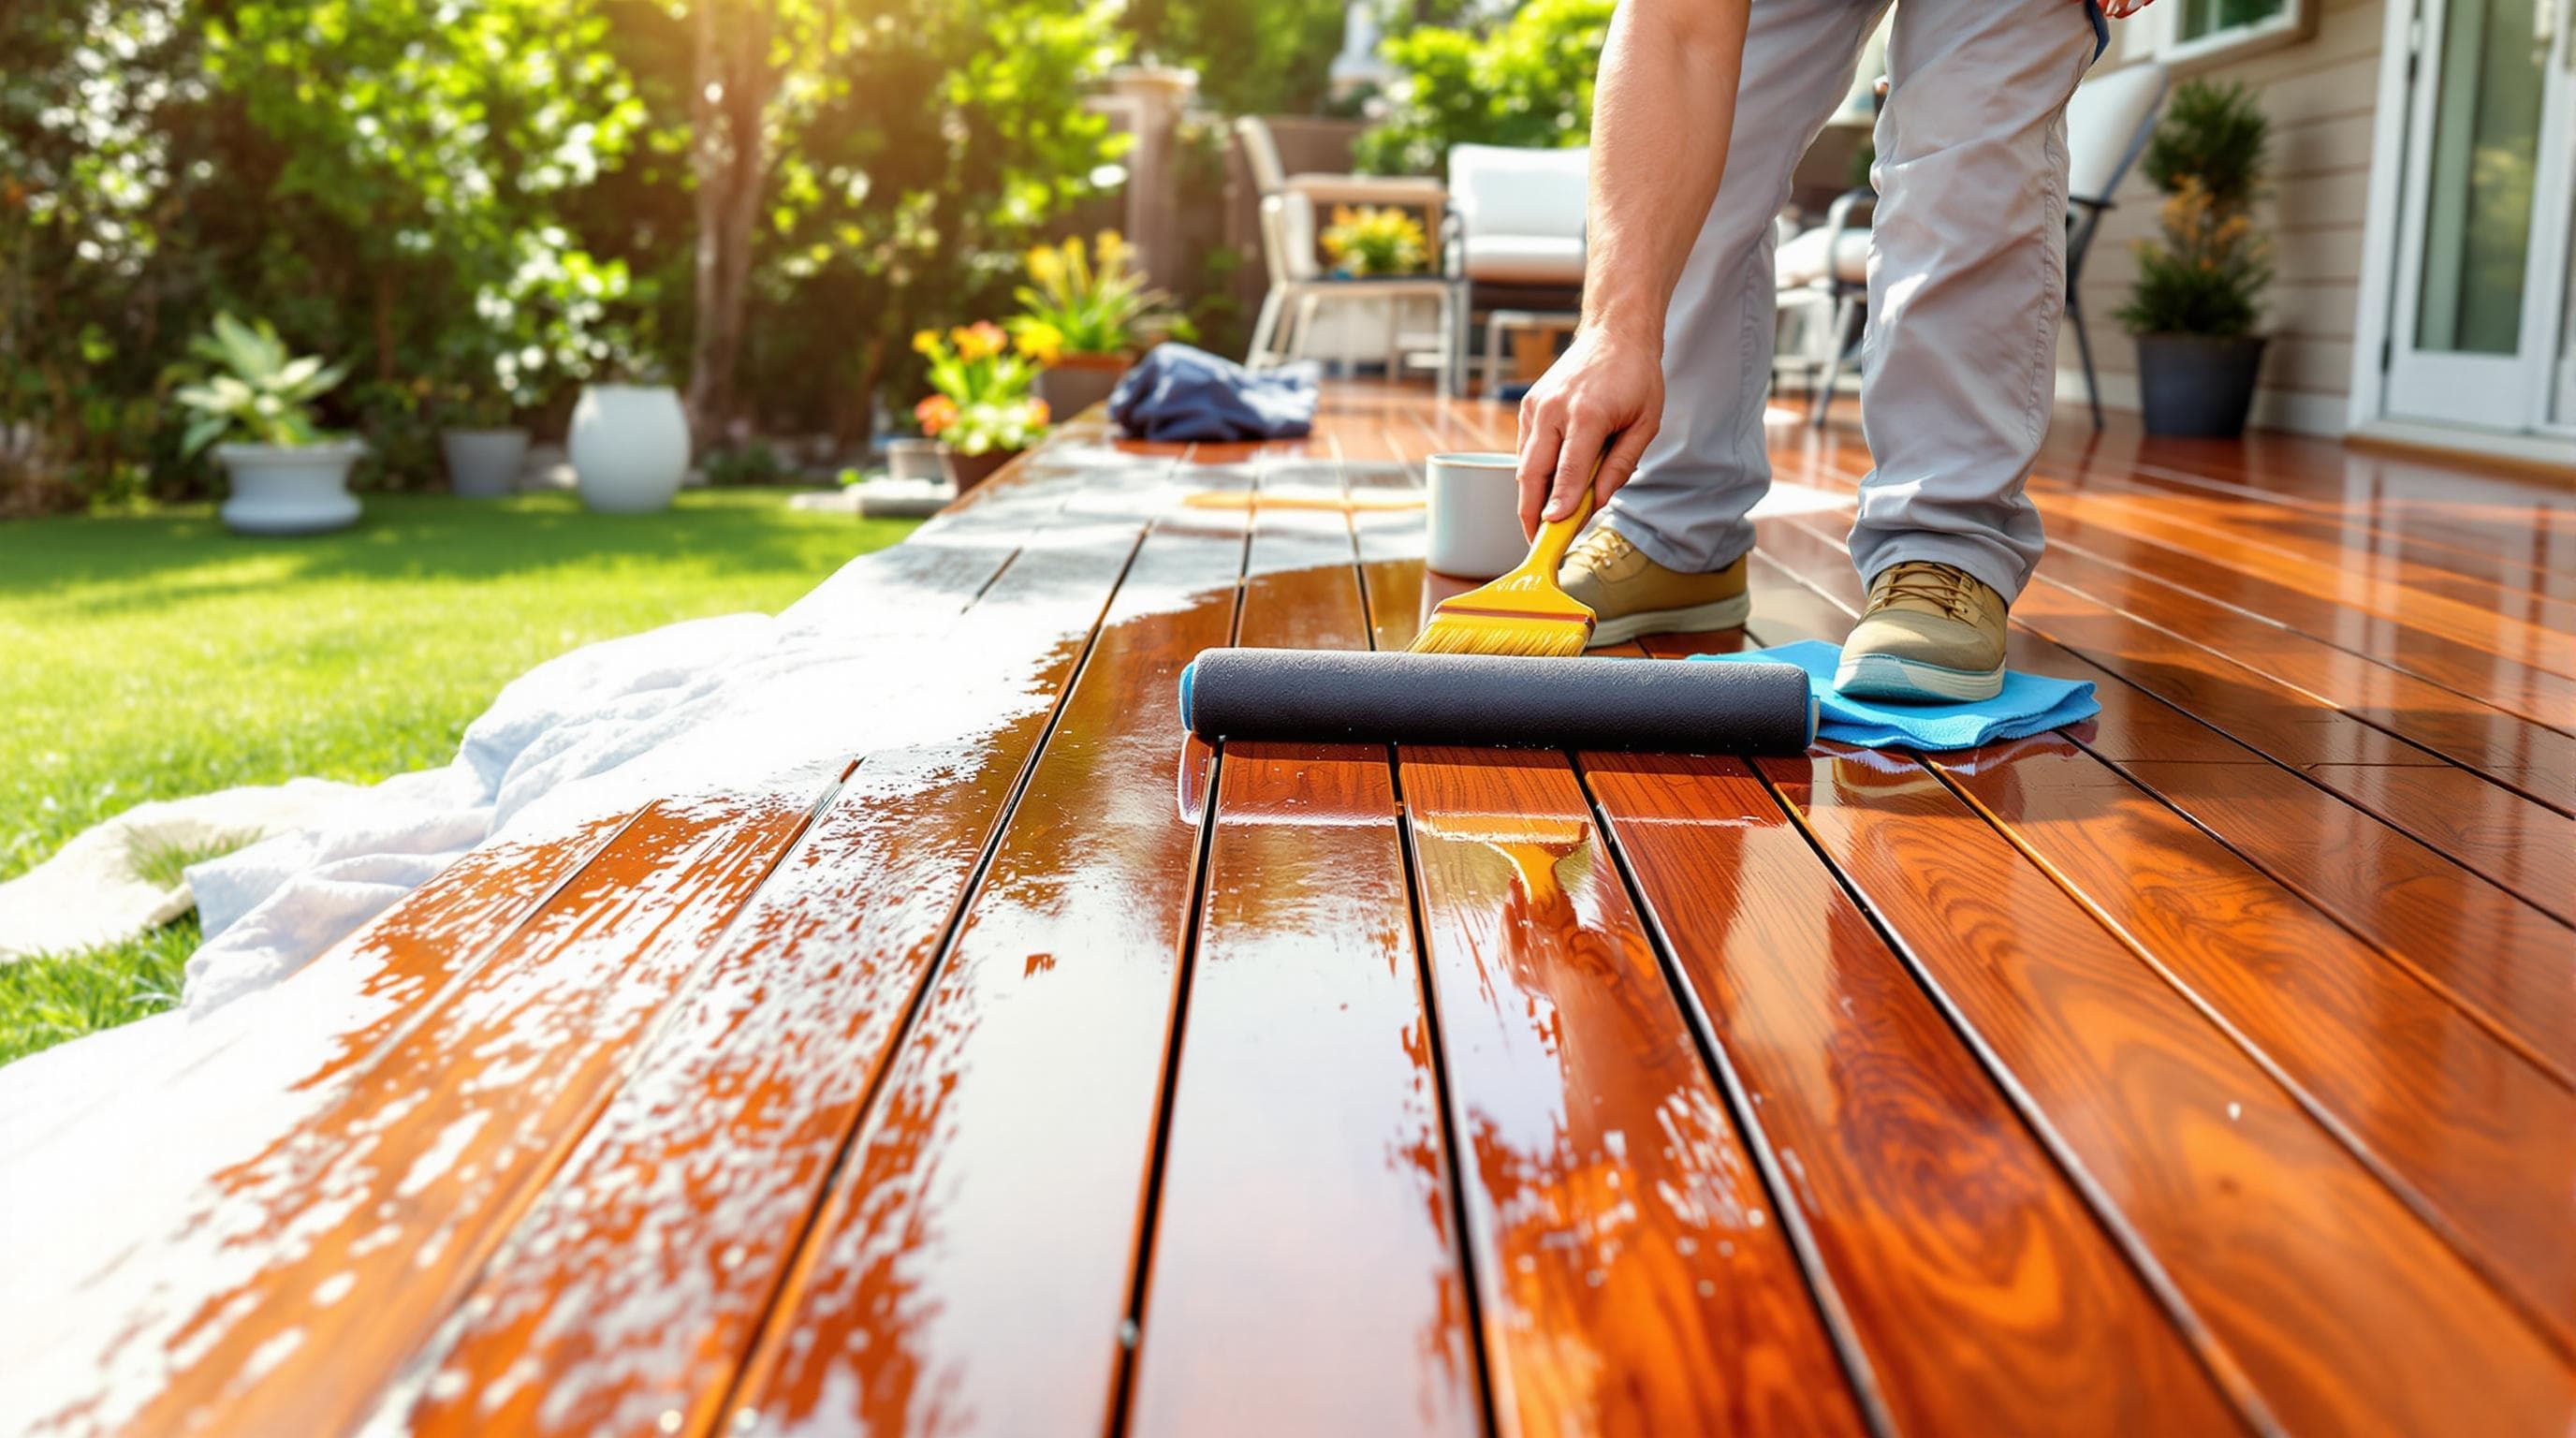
(436,138)
(861,164)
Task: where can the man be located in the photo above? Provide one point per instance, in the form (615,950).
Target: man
(1702,109)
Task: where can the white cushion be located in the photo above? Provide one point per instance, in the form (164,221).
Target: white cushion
(1802,261)
(1500,191)
(1522,259)
(2103,125)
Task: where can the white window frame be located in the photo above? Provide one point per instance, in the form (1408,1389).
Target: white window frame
(2296,22)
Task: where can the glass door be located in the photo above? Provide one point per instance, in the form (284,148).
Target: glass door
(2480,335)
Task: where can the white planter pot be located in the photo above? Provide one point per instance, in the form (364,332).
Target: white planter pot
(915,459)
(279,489)
(483,463)
(630,447)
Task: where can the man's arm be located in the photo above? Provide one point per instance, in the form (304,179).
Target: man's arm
(1663,112)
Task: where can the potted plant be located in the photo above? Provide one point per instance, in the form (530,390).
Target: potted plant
(285,475)
(2200,285)
(1373,242)
(629,446)
(1083,317)
(980,408)
(484,451)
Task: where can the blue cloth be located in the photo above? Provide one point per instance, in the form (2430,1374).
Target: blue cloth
(1179,393)
(2027,705)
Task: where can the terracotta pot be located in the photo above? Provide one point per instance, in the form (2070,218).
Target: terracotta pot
(969,470)
(1075,383)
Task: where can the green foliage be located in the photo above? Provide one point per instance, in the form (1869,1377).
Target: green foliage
(1525,83)
(1086,301)
(1290,45)
(2206,272)
(260,394)
(1376,241)
(2204,277)
(2214,134)
(49,998)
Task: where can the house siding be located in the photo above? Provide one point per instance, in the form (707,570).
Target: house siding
(2322,96)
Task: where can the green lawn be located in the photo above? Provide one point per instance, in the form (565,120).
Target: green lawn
(157,657)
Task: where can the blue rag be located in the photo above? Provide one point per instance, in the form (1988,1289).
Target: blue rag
(1178,393)
(2027,705)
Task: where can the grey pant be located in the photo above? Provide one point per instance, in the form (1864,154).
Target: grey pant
(1967,284)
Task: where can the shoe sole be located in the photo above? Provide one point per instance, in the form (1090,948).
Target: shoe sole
(1885,676)
(1722,614)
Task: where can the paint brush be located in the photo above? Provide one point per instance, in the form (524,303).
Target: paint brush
(1524,612)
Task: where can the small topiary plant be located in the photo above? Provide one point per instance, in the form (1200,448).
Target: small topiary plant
(2206,273)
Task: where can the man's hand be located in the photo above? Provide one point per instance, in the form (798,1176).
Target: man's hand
(1606,392)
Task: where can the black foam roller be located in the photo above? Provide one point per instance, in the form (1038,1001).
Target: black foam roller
(1669,706)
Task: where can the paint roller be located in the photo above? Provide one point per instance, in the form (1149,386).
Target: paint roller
(1667,706)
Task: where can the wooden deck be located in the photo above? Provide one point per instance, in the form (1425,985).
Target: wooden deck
(2211,1067)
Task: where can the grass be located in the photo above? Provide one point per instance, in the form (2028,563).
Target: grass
(158,656)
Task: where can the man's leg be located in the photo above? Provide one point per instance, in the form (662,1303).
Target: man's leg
(1685,508)
(1967,282)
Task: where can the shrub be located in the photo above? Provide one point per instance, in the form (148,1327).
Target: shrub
(1527,83)
(261,394)
(2206,272)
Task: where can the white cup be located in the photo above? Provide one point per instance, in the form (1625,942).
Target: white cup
(1474,515)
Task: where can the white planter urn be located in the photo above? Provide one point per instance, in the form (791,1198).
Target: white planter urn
(289,489)
(630,447)
(483,463)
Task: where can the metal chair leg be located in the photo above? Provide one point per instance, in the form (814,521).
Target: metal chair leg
(2084,347)
(1844,309)
(1493,356)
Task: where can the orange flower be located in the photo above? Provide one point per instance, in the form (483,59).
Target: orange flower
(1038,410)
(935,413)
(981,340)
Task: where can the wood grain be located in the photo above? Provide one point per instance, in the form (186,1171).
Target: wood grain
(973,1263)
(2385,887)
(2304,1267)
(633,1289)
(1305,1220)
(1985,1294)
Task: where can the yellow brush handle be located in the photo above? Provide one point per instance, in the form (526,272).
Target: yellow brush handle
(1556,536)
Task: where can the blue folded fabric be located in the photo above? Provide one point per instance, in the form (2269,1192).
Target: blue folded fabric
(1179,393)
(2028,704)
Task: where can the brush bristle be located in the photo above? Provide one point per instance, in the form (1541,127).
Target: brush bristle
(1531,636)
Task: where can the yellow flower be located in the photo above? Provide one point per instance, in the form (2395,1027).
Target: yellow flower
(1110,247)
(926,343)
(1046,267)
(1040,341)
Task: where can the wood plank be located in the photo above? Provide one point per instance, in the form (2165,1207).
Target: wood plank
(1978,1281)
(975,1261)
(1305,1274)
(1632,1273)
(2517,844)
(2534,694)
(2301,1262)
(406,1181)
(630,1295)
(2392,891)
(2479,1137)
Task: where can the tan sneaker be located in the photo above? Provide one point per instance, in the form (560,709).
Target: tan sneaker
(1630,594)
(1933,635)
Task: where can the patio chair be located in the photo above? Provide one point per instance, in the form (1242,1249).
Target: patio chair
(1271,177)
(2107,126)
(1514,242)
(1300,287)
